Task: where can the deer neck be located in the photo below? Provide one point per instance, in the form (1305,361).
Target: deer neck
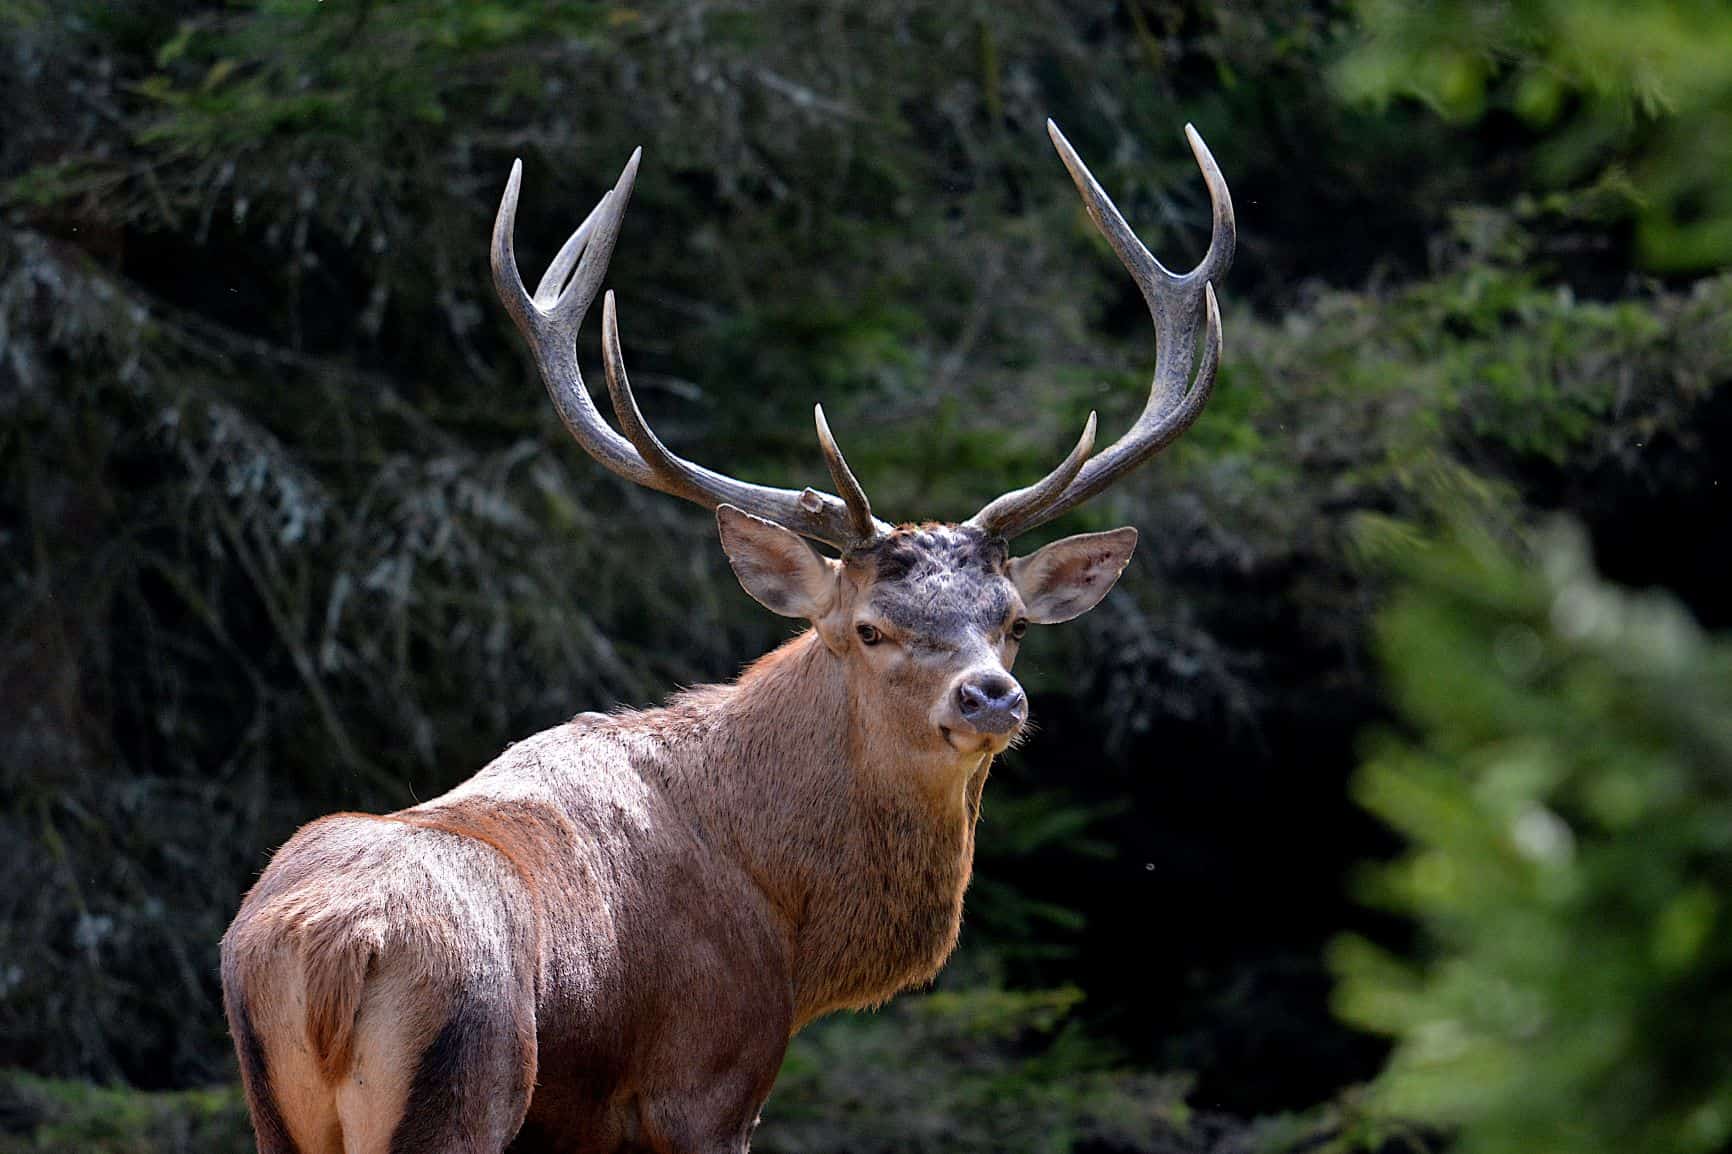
(862,849)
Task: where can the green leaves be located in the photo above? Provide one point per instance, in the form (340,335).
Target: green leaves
(1566,795)
(963,1070)
(1645,86)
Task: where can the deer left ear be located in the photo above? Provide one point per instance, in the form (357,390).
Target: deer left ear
(1069,577)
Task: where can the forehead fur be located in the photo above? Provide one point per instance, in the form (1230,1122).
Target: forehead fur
(935,579)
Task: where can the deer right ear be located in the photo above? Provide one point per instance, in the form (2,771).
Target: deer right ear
(783,573)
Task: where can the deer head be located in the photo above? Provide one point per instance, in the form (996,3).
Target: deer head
(926,619)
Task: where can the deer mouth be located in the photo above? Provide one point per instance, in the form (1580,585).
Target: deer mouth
(974,743)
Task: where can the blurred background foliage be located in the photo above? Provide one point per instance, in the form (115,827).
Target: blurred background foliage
(1635,97)
(1564,790)
(288,524)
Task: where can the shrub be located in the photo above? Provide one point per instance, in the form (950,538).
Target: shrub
(1564,784)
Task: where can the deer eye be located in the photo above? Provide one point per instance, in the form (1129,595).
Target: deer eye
(1018,628)
(869,634)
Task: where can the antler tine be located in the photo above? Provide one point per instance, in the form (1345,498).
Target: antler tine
(865,526)
(1019,504)
(845,524)
(1177,302)
(550,323)
(506,279)
(1223,230)
(559,272)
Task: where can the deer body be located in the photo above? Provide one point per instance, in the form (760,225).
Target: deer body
(603,940)
(649,916)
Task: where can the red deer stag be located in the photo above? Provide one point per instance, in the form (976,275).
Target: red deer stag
(604,940)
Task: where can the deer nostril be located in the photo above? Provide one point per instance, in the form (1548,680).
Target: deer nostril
(991,702)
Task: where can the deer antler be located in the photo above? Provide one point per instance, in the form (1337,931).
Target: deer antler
(550,320)
(1176,398)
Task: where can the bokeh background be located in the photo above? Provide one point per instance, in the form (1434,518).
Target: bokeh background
(1385,806)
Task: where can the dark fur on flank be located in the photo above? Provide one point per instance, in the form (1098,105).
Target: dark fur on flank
(440,1092)
(268,1128)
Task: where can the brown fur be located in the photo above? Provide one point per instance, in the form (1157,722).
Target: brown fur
(604,939)
(268,1124)
(335,965)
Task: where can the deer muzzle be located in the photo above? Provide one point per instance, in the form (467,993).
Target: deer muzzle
(991,703)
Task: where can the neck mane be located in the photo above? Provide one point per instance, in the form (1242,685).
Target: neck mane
(863,860)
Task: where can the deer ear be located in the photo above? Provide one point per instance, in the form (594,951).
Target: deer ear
(1069,577)
(775,566)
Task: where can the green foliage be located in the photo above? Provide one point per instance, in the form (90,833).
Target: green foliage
(349,95)
(1347,1124)
(1566,793)
(1485,355)
(39,1115)
(286,524)
(980,1069)
(1640,91)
